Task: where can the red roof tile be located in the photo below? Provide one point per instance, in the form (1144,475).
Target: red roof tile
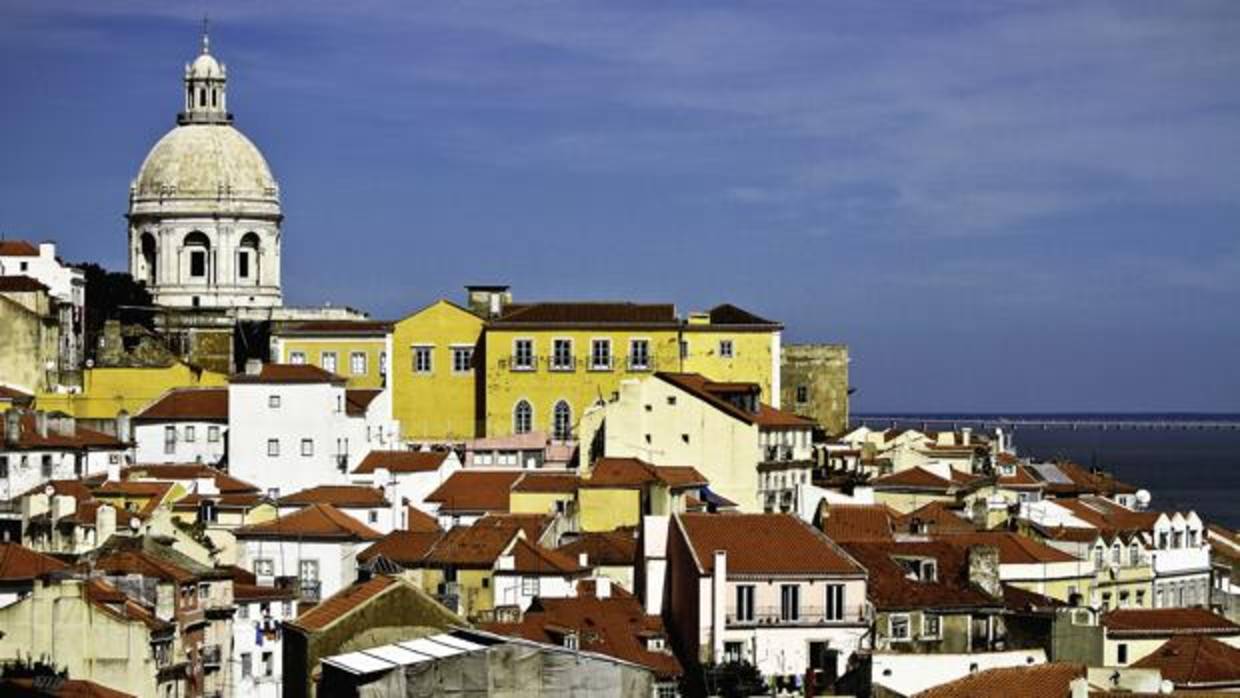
(1035,681)
(288,373)
(1129,622)
(19,563)
(255,592)
(918,478)
(317,521)
(198,404)
(728,314)
(588,313)
(1014,549)
(532,525)
(401,461)
(475,490)
(336,327)
(14,395)
(1187,660)
(845,523)
(357,400)
(21,284)
(549,483)
(61,688)
(18,248)
(890,588)
(343,602)
(407,548)
(418,520)
(611,548)
(82,438)
(750,538)
(471,546)
(123,562)
(533,559)
(634,472)
(772,418)
(935,517)
(225,483)
(340,496)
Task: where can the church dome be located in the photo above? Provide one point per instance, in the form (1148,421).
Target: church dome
(205,66)
(205,161)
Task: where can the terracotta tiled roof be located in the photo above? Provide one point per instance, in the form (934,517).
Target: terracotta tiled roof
(1017,599)
(532,525)
(401,461)
(235,500)
(1081,480)
(1109,516)
(890,588)
(198,404)
(357,400)
(551,483)
(225,483)
(698,386)
(771,418)
(255,592)
(936,517)
(19,563)
(123,562)
(471,546)
(922,479)
(601,313)
(340,496)
(844,523)
(680,476)
(406,548)
(343,602)
(14,395)
(418,520)
(1187,660)
(63,688)
(20,284)
(317,521)
(634,472)
(475,490)
(154,492)
(82,437)
(1035,681)
(611,548)
(18,248)
(1129,622)
(750,538)
(1014,549)
(336,327)
(74,488)
(533,559)
(616,626)
(1021,478)
(288,373)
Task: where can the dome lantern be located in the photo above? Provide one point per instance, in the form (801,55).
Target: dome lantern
(205,88)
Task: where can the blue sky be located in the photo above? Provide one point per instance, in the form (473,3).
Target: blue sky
(999,206)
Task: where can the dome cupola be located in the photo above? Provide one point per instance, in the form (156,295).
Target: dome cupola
(206,95)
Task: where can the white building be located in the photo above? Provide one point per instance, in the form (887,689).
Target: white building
(185,425)
(292,427)
(525,571)
(730,598)
(371,506)
(204,211)
(39,447)
(257,639)
(412,475)
(315,548)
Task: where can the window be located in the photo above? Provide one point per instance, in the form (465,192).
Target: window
(273,447)
(170,439)
(789,602)
(1122,653)
(247,669)
(189,433)
(213,435)
(273,401)
(562,355)
(307,447)
(357,363)
(264,567)
(1177,539)
(327,361)
(243,264)
(1106,600)
(297,357)
(835,602)
(204,591)
(733,651)
(1140,598)
(1098,557)
(562,421)
(4,466)
(725,348)
(744,603)
(523,355)
(243,611)
(802,394)
(422,359)
(1115,554)
(897,626)
(570,641)
(522,418)
(639,354)
(286,609)
(529,586)
(931,625)
(929,570)
(269,664)
(684,348)
(197,264)
(600,354)
(1134,555)
(1162,540)
(383,363)
(373,516)
(46,466)
(666,690)
(462,359)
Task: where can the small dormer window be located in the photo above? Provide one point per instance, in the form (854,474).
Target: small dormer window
(570,641)
(929,570)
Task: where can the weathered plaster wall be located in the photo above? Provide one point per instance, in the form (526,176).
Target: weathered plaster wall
(822,370)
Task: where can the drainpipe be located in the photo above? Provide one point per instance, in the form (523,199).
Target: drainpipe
(718,594)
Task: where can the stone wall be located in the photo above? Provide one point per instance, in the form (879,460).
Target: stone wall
(27,343)
(814,383)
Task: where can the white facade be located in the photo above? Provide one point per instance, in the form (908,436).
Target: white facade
(292,436)
(1181,559)
(258,665)
(415,486)
(324,567)
(180,442)
(908,674)
(204,211)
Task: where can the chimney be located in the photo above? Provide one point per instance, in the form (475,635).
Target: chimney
(1079,688)
(124,431)
(718,601)
(114,471)
(40,423)
(602,588)
(966,435)
(33,505)
(984,569)
(583,560)
(253,367)
(66,425)
(12,426)
(63,505)
(105,523)
(47,250)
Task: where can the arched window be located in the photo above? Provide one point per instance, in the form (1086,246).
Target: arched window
(522,418)
(562,421)
(202,96)
(197,251)
(149,257)
(247,257)
(1134,555)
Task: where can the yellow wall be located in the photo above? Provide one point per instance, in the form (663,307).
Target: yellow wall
(606,509)
(314,347)
(107,391)
(440,405)
(581,387)
(136,503)
(476,592)
(751,362)
(536,502)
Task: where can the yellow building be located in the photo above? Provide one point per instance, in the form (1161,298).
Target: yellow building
(731,344)
(108,391)
(433,373)
(354,350)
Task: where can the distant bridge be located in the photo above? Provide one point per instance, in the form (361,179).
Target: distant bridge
(942,423)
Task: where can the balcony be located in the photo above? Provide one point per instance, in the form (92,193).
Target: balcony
(563,364)
(773,616)
(522,363)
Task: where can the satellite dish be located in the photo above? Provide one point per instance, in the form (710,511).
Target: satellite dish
(1143,498)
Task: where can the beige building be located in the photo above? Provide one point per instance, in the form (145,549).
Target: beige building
(814,383)
(30,340)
